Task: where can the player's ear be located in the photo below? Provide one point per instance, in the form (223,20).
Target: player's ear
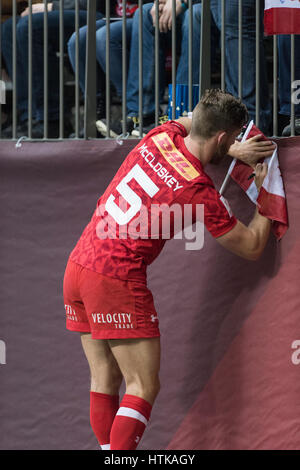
(222,136)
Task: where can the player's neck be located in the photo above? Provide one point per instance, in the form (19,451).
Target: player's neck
(201,149)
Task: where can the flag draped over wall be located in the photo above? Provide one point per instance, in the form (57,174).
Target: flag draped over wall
(282,17)
(271,199)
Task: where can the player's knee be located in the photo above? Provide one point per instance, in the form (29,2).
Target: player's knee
(105,385)
(146,387)
(106,380)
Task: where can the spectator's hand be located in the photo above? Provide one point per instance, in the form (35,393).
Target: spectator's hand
(261,171)
(252,150)
(37,8)
(161,4)
(165,20)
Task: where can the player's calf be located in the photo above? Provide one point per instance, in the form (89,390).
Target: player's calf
(130,423)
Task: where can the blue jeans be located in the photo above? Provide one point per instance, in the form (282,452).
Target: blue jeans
(182,73)
(115,50)
(284,73)
(148,63)
(249,59)
(231,70)
(82,52)
(37,60)
(115,53)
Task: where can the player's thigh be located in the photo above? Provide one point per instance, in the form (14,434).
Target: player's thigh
(138,359)
(105,372)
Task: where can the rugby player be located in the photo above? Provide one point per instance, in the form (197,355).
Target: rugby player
(105,286)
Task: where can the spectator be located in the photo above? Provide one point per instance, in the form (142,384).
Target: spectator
(249,56)
(38,63)
(231,54)
(165,24)
(115,50)
(183,65)
(284,74)
(231,70)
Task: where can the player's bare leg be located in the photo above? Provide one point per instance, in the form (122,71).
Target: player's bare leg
(106,379)
(139,362)
(106,376)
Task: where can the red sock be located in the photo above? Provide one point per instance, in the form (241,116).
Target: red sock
(130,423)
(103,409)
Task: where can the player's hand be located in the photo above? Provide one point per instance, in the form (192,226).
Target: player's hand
(252,150)
(261,171)
(37,8)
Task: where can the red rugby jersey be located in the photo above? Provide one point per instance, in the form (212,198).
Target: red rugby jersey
(158,171)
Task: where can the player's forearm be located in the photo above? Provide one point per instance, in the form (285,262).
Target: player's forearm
(260,229)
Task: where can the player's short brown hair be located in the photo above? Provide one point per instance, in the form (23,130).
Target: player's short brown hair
(218,111)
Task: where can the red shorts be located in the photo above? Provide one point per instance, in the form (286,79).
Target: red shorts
(106,307)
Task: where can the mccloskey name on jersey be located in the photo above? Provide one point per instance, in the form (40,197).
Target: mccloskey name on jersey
(160,459)
(160,170)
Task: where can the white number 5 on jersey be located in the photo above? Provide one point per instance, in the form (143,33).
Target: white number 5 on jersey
(135,202)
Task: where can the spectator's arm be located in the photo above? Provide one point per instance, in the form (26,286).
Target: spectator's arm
(37,8)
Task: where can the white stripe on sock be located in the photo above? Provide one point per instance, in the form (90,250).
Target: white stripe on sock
(124,411)
(105,446)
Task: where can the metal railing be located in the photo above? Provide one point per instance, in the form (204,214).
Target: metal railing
(88,113)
